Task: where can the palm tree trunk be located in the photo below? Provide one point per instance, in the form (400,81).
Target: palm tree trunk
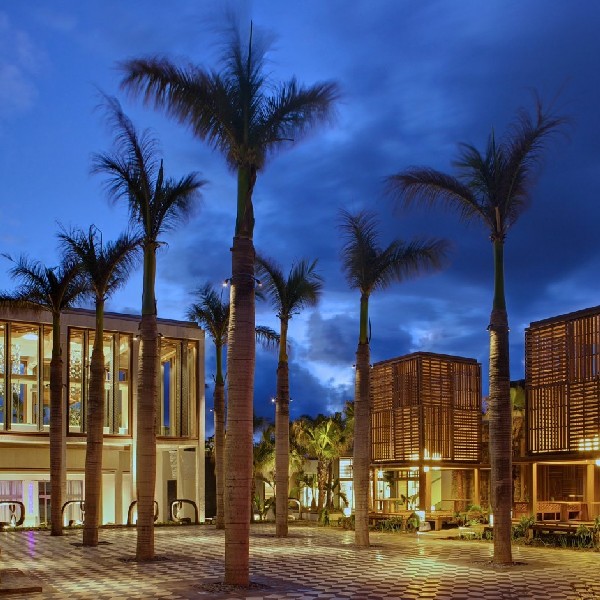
(362,446)
(58,469)
(241,356)
(95,434)
(282,448)
(282,436)
(321,484)
(219,414)
(500,415)
(147,394)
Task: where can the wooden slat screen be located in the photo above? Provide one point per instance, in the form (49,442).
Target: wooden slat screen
(436,403)
(381,435)
(562,383)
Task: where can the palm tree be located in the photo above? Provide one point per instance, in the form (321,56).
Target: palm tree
(53,289)
(244,115)
(493,188)
(156,204)
(212,313)
(288,297)
(369,267)
(106,268)
(319,438)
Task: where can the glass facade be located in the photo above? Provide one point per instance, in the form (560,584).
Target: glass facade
(22,375)
(176,413)
(117,366)
(25,356)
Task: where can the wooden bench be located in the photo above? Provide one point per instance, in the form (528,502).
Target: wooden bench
(558,527)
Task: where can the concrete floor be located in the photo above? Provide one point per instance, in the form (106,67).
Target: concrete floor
(313,562)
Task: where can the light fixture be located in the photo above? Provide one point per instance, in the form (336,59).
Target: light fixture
(229,280)
(598,462)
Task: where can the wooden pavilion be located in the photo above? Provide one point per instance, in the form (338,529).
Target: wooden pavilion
(563,416)
(425,433)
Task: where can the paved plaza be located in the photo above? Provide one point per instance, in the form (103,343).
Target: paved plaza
(313,562)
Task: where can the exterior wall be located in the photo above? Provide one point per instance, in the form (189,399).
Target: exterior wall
(24,449)
(562,368)
(425,408)
(425,432)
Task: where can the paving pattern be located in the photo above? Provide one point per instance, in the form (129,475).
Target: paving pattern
(311,563)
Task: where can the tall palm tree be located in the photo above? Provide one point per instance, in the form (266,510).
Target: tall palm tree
(212,313)
(156,204)
(493,188)
(243,114)
(53,289)
(288,296)
(106,268)
(369,267)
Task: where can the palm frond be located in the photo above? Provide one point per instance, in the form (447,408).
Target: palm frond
(368,266)
(268,338)
(106,265)
(211,313)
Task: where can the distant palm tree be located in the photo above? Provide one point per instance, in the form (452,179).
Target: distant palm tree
(106,268)
(369,267)
(52,289)
(247,117)
(287,296)
(212,313)
(319,438)
(156,204)
(493,188)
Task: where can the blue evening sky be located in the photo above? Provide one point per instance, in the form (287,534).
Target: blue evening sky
(416,79)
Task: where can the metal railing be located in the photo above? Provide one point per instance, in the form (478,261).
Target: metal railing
(130,512)
(177,505)
(12,507)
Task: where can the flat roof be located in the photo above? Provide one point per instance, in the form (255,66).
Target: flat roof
(448,357)
(578,314)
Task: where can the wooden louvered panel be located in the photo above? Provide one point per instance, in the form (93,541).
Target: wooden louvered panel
(467,388)
(438,431)
(584,417)
(584,343)
(382,390)
(546,355)
(406,433)
(436,381)
(547,417)
(426,390)
(466,445)
(406,392)
(381,435)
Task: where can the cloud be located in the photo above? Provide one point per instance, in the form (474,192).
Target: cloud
(21,61)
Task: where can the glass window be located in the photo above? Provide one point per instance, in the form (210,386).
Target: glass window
(47,344)
(24,373)
(122,399)
(177,413)
(10,490)
(117,360)
(109,375)
(2,377)
(76,374)
(168,387)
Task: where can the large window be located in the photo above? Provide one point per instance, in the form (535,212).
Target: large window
(20,407)
(177,403)
(117,359)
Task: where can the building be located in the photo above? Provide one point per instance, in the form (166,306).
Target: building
(25,353)
(425,432)
(562,380)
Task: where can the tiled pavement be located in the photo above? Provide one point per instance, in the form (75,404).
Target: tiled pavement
(311,563)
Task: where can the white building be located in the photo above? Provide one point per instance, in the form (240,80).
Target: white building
(25,353)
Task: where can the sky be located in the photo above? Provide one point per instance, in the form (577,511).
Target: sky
(416,79)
